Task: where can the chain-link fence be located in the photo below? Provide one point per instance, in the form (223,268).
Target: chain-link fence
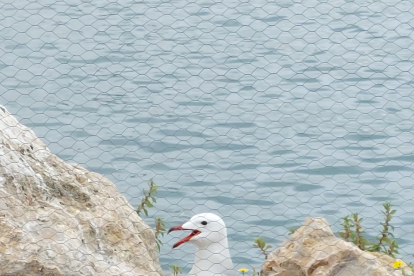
(264,112)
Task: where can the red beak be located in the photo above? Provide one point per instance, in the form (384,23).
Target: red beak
(186,239)
(175,228)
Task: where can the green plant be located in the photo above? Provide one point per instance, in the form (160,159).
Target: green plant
(255,273)
(176,270)
(159,231)
(148,202)
(347,224)
(393,248)
(352,231)
(357,238)
(411,266)
(292,231)
(149,199)
(386,234)
(261,244)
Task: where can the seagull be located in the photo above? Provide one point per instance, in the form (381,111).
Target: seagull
(209,235)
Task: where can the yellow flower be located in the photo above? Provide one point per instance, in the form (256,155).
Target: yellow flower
(397,264)
(243,270)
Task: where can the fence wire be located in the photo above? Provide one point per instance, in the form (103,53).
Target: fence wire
(263,112)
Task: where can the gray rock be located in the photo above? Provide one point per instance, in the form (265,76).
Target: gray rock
(313,250)
(60,219)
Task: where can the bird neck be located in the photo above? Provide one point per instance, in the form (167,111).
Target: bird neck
(213,259)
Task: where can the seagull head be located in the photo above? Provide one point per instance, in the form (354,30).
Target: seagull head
(205,229)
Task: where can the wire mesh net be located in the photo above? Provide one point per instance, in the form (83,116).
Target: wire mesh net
(263,112)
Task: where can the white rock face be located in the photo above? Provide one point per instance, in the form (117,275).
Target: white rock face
(60,219)
(313,250)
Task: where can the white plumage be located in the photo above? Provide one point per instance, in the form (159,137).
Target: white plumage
(209,235)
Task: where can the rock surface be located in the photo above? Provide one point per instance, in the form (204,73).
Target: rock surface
(313,250)
(60,219)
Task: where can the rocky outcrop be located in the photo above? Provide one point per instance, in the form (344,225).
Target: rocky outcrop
(60,219)
(313,250)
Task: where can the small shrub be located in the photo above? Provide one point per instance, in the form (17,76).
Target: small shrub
(352,231)
(176,270)
(149,198)
(261,244)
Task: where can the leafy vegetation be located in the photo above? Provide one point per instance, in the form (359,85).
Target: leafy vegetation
(385,242)
(292,231)
(148,202)
(149,198)
(261,244)
(159,231)
(176,270)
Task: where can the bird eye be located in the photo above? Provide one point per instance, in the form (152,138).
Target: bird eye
(204,222)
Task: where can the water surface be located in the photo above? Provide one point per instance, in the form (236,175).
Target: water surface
(264,112)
